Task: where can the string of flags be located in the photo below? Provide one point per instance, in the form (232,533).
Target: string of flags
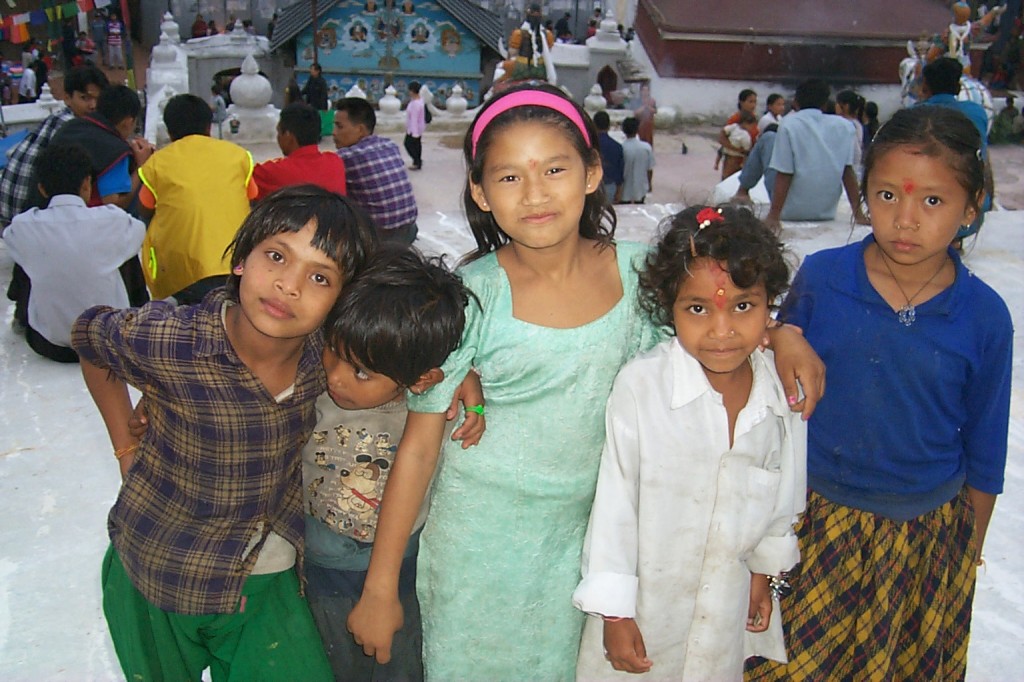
(15,27)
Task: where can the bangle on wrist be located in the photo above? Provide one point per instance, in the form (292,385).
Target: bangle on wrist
(127,450)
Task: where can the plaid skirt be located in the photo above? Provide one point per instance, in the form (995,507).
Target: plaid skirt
(875,599)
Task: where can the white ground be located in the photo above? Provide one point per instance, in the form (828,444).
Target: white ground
(58,478)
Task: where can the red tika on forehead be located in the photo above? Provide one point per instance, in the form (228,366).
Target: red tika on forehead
(908,185)
(721,278)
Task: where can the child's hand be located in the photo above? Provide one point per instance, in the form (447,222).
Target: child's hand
(373,624)
(760,612)
(471,394)
(138,423)
(625,646)
(798,367)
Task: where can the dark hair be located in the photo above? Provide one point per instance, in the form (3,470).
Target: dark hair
(853,102)
(772,99)
(871,110)
(630,126)
(302,121)
(747,117)
(81,77)
(744,94)
(117,103)
(598,218)
(315,65)
(358,110)
(61,168)
(344,231)
(401,317)
(813,93)
(187,115)
(942,76)
(749,252)
(602,121)
(414,87)
(936,131)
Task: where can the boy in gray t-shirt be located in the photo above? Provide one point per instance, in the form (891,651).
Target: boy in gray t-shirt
(390,331)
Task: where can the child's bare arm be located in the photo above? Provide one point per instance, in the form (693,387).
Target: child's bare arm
(984,504)
(760,612)
(625,646)
(798,364)
(471,394)
(111,397)
(378,614)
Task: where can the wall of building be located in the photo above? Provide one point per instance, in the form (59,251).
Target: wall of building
(361,42)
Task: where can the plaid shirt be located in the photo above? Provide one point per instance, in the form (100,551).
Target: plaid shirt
(220,462)
(17,180)
(376,178)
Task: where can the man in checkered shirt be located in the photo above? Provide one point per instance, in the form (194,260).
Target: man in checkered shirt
(374,171)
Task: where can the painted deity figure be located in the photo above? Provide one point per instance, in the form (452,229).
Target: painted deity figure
(529,46)
(955,41)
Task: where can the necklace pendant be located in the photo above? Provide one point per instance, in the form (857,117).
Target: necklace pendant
(907,314)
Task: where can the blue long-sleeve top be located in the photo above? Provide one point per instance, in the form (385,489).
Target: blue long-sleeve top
(911,412)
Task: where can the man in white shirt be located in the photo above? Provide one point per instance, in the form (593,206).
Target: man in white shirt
(639,164)
(27,87)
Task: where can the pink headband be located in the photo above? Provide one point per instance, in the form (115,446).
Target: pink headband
(522,98)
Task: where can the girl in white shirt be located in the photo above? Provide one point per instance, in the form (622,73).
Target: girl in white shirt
(703,469)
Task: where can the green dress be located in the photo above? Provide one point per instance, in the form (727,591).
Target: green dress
(500,554)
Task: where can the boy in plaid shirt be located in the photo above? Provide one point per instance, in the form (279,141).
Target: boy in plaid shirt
(208,524)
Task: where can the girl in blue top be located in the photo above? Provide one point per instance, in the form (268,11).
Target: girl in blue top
(558,316)
(906,453)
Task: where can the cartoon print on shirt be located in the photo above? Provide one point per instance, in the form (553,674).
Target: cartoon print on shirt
(361,491)
(343,433)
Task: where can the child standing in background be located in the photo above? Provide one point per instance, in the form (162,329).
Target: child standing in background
(906,454)
(702,474)
(500,554)
(208,524)
(415,125)
(390,332)
(776,106)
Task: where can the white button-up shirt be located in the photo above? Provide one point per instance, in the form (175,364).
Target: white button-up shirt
(681,519)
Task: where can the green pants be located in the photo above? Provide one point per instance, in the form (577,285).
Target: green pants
(272,638)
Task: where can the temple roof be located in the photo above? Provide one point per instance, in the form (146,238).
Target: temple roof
(802,19)
(295,18)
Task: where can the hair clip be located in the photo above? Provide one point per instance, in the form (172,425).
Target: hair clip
(705,217)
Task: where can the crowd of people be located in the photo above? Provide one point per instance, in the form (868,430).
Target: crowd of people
(648,490)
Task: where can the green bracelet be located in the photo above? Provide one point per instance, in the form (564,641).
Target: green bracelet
(479,409)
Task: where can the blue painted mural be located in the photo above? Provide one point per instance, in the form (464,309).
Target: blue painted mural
(376,42)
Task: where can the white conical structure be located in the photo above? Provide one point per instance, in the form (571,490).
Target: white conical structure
(389,104)
(595,101)
(256,117)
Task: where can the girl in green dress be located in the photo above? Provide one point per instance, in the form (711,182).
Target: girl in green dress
(558,316)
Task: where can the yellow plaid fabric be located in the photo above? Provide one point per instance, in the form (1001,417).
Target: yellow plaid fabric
(875,599)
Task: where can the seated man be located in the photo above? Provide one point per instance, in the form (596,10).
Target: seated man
(49,244)
(199,190)
(813,157)
(376,174)
(298,134)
